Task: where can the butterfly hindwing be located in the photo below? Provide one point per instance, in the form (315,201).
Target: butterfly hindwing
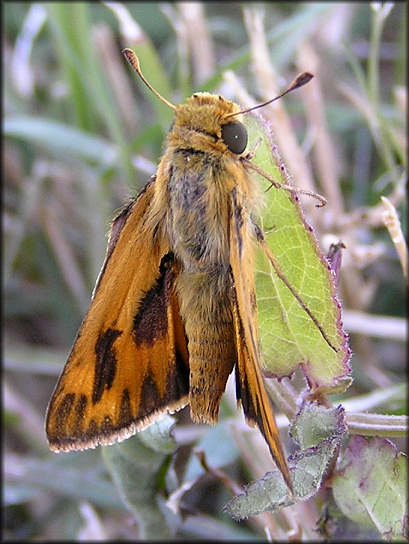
(123,372)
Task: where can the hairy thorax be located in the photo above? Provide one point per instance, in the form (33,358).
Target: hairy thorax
(198,213)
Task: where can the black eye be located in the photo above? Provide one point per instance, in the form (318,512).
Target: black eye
(234,136)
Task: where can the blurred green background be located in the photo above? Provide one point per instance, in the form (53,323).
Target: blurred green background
(82,134)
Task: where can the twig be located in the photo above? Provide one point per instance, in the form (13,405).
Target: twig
(376,424)
(380,326)
(392,223)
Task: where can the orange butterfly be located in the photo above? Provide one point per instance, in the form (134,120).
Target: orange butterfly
(174,308)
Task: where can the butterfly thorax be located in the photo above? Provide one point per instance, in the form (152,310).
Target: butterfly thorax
(201,175)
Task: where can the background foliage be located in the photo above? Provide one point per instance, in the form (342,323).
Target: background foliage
(81,135)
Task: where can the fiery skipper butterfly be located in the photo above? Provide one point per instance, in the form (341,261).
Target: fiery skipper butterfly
(174,310)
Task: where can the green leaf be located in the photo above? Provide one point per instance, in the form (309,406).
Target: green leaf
(158,436)
(289,336)
(315,423)
(134,467)
(370,485)
(92,94)
(318,431)
(61,139)
(77,477)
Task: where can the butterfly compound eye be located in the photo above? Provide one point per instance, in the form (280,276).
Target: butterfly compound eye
(234,136)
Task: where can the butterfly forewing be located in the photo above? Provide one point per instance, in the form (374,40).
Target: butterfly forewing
(129,362)
(250,387)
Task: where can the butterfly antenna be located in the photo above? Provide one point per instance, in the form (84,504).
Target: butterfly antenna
(298,82)
(134,62)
